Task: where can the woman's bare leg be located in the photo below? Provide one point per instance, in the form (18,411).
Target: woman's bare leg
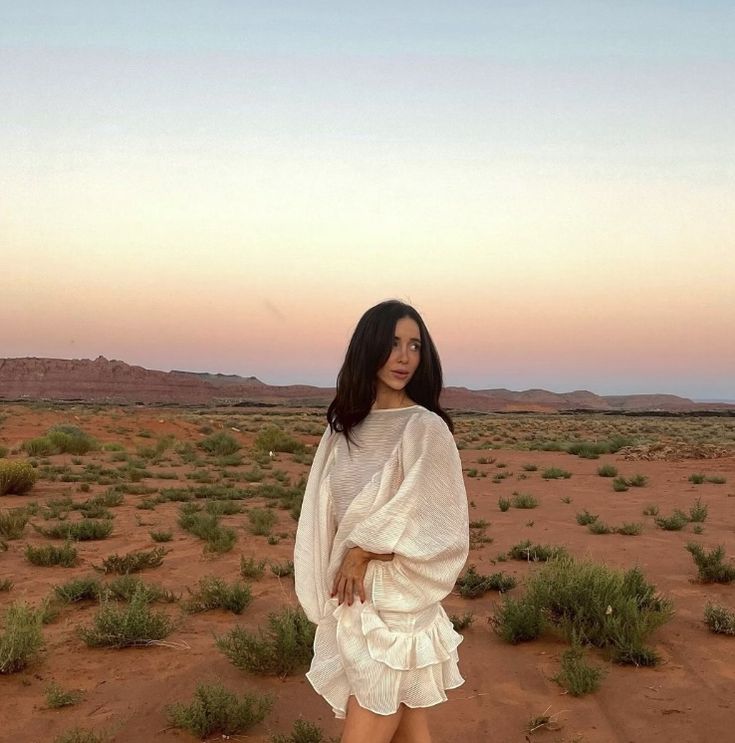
(364,726)
(413,728)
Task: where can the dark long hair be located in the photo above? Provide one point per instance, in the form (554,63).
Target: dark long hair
(369,350)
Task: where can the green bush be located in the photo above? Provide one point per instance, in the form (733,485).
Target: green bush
(16,478)
(262,520)
(710,564)
(607,470)
(638,481)
(68,439)
(523,500)
(251,569)
(282,570)
(162,536)
(576,676)
(503,504)
(629,529)
(585,518)
(555,473)
(214,593)
(206,526)
(517,621)
(124,587)
(21,638)
(303,732)
(285,646)
(472,584)
(13,523)
(534,552)
(135,623)
(274,439)
(598,527)
(463,622)
(78,589)
(80,531)
(49,554)
(594,604)
(698,512)
(216,710)
(620,485)
(220,444)
(719,619)
(132,562)
(42,446)
(697,478)
(57,697)
(676,522)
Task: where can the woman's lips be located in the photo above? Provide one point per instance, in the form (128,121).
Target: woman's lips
(401,375)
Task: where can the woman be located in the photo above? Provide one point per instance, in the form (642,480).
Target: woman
(383,535)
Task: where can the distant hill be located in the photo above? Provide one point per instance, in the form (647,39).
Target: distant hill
(110,381)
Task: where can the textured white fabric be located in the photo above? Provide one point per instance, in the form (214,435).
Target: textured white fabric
(399,646)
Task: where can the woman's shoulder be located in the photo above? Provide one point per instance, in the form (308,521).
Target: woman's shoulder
(425,421)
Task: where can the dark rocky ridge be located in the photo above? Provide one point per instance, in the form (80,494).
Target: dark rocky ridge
(111,381)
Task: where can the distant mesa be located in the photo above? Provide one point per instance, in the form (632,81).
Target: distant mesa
(112,381)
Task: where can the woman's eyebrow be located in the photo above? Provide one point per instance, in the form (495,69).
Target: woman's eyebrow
(413,340)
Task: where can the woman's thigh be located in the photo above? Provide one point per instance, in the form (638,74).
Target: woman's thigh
(364,726)
(414,727)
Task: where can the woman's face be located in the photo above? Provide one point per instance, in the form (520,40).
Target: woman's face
(405,356)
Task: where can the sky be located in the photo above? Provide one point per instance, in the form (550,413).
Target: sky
(228,186)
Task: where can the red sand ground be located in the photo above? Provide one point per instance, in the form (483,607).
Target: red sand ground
(688,698)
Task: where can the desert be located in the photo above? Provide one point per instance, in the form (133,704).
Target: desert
(243,468)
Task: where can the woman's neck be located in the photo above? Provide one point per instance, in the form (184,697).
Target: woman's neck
(389,399)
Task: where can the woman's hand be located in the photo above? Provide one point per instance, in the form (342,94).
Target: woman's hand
(350,576)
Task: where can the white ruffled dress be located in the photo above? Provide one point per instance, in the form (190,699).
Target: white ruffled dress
(399,646)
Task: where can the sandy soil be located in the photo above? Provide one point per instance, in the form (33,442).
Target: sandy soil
(688,698)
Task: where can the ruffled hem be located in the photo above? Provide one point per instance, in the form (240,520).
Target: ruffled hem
(384,659)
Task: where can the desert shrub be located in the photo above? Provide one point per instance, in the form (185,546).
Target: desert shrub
(463,622)
(124,587)
(503,504)
(222,507)
(517,621)
(49,554)
(698,512)
(607,470)
(69,439)
(283,569)
(16,478)
(220,444)
(57,697)
(594,604)
(716,480)
(530,467)
(303,732)
(629,529)
(162,536)
(206,526)
(575,675)
(3,452)
(598,527)
(41,446)
(676,522)
(533,552)
(620,485)
(13,523)
(472,584)
(585,518)
(697,478)
(638,481)
(80,531)
(214,593)
(132,562)
(273,438)
(78,735)
(555,473)
(217,710)
(21,638)
(710,564)
(78,589)
(523,500)
(261,521)
(134,623)
(285,646)
(650,510)
(6,584)
(109,499)
(719,619)
(253,475)
(251,569)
